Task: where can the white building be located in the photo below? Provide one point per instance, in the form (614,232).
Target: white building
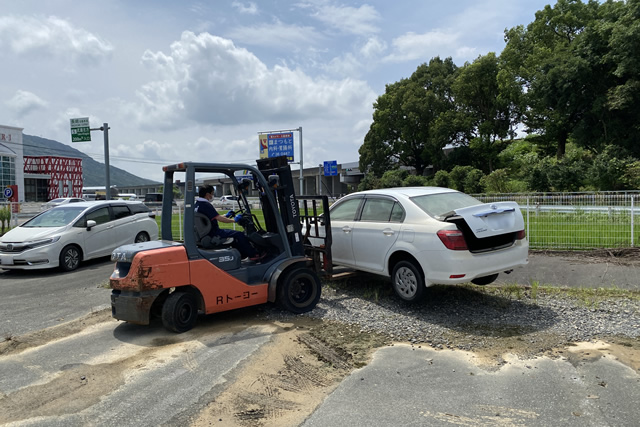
(11,160)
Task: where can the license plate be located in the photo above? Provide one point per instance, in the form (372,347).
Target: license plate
(6,260)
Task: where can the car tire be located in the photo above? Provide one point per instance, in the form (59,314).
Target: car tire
(299,290)
(408,282)
(70,257)
(141,237)
(485,280)
(180,312)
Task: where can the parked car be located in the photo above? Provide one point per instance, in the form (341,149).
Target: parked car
(73,232)
(60,201)
(228,199)
(422,236)
(153,198)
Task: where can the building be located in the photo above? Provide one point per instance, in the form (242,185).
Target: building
(11,155)
(50,177)
(36,178)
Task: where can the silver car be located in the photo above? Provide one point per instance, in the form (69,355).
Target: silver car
(64,236)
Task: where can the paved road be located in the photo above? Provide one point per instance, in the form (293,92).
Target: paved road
(419,386)
(38,299)
(574,271)
(403,385)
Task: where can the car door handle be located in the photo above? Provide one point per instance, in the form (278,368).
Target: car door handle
(346,229)
(388,232)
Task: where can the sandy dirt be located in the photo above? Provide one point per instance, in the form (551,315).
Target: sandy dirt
(282,383)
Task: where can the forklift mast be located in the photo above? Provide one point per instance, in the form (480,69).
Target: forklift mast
(277,172)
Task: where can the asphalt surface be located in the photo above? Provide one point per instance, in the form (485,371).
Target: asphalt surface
(575,271)
(404,385)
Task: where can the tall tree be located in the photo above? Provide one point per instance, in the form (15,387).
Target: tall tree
(542,57)
(409,126)
(490,112)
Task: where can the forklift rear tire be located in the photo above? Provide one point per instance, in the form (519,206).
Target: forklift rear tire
(299,290)
(180,312)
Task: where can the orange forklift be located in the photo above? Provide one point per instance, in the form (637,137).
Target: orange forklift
(175,280)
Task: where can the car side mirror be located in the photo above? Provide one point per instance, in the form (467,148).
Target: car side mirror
(90,224)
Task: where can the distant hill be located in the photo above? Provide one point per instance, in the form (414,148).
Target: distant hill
(92,171)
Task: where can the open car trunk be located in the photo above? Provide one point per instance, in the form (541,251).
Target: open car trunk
(489,226)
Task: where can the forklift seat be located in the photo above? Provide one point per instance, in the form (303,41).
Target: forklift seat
(201,228)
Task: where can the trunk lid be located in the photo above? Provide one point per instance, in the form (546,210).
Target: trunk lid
(488,226)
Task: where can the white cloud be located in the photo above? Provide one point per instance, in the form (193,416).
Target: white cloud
(412,46)
(373,47)
(24,102)
(251,8)
(276,35)
(208,80)
(346,19)
(52,36)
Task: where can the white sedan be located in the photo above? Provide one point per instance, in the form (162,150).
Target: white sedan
(68,234)
(422,236)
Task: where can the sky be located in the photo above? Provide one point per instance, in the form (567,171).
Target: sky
(199,80)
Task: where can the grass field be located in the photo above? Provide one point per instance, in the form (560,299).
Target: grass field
(581,231)
(548,230)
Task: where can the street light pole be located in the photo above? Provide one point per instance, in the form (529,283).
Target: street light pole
(105,130)
(301,164)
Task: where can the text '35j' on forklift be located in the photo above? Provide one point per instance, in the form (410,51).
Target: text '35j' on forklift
(176,280)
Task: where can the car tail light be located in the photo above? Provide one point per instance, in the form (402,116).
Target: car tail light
(453,239)
(521,235)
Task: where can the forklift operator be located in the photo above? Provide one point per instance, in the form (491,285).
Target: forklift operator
(240,240)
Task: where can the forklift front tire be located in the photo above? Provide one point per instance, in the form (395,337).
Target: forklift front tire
(180,312)
(299,290)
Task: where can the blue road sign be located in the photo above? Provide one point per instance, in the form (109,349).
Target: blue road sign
(331,168)
(8,192)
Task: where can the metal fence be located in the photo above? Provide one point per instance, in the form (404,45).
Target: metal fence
(568,221)
(573,221)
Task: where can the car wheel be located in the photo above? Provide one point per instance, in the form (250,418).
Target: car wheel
(180,312)
(70,258)
(407,281)
(141,237)
(299,290)
(485,280)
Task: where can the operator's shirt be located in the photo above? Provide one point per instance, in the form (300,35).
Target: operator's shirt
(205,207)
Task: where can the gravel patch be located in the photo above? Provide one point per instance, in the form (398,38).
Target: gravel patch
(495,319)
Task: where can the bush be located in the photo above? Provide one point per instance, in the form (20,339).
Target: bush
(5,216)
(441,179)
(415,181)
(369,182)
(393,178)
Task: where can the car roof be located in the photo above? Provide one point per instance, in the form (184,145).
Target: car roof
(406,191)
(89,204)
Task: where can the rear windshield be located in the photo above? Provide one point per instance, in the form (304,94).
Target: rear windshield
(138,208)
(440,204)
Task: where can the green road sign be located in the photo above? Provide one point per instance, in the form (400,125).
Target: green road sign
(80,130)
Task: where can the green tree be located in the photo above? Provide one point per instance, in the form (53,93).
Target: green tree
(393,178)
(542,58)
(369,182)
(610,168)
(5,217)
(489,113)
(415,181)
(441,179)
(409,126)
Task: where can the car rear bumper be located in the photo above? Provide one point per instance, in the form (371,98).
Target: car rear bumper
(133,307)
(448,267)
